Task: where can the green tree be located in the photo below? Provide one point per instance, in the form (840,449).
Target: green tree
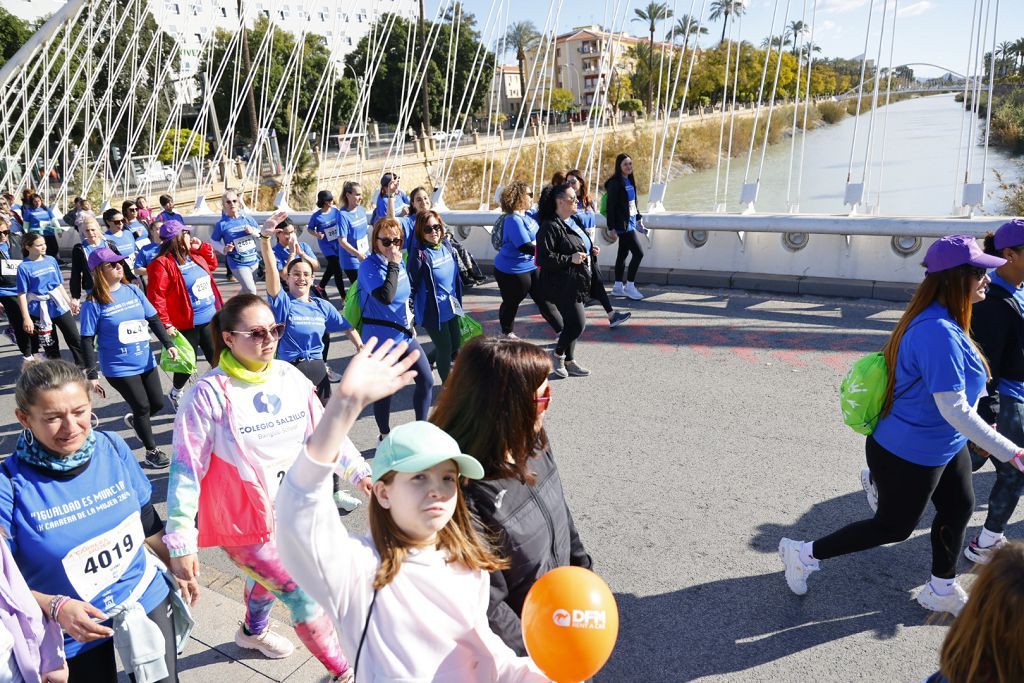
(723,9)
(1018,47)
(685,27)
(631,105)
(180,137)
(520,38)
(654,13)
(562,100)
(14,32)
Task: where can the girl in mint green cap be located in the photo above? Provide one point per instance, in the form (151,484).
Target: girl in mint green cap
(409,602)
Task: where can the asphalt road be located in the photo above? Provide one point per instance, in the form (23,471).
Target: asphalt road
(709,429)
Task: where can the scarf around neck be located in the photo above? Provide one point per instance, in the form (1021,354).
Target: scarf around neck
(231,365)
(34,454)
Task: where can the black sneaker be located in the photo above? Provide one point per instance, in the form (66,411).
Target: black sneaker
(618,318)
(157,459)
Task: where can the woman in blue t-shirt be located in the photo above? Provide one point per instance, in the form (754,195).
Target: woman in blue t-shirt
(353,231)
(384,292)
(325,225)
(77,511)
(116,320)
(40,218)
(236,234)
(44,303)
(119,237)
(918,452)
(436,289)
(92,239)
(514,268)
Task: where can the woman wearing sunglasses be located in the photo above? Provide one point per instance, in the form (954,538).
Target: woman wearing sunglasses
(436,288)
(92,239)
(235,436)
(116,321)
(118,237)
(494,408)
(235,236)
(918,452)
(384,292)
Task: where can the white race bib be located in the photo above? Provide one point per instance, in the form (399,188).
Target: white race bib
(244,244)
(9,268)
(141,242)
(102,561)
(201,288)
(632,207)
(331,233)
(133,332)
(363,246)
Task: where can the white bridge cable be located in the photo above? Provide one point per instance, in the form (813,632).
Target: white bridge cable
(860,92)
(868,149)
(760,91)
(975,18)
(771,99)
(885,110)
(682,102)
(807,103)
(660,163)
(991,91)
(798,46)
(735,30)
(976,99)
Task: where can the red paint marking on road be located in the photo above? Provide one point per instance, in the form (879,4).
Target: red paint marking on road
(748,354)
(837,361)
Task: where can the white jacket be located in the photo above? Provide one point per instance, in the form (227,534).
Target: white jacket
(428,624)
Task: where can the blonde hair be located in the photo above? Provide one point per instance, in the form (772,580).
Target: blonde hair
(516,197)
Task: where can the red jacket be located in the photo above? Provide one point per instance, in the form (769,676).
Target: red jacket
(166,287)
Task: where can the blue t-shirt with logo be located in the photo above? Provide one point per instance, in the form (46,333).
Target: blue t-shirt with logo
(517,230)
(583,231)
(408,224)
(354,229)
(236,231)
(146,254)
(10,271)
(326,228)
(39,220)
(123,244)
(81,537)
(306,321)
(121,331)
(631,196)
(1009,387)
(935,355)
(40,277)
(165,216)
(140,232)
(373,273)
(381,210)
(444,270)
(200,291)
(282,254)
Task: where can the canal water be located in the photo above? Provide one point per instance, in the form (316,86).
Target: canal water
(918,172)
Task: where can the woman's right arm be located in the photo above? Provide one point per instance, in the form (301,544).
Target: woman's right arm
(273,278)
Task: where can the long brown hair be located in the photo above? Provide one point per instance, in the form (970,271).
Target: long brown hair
(228,318)
(175,248)
(459,537)
(983,644)
(100,289)
(422,219)
(488,405)
(953,288)
(583,195)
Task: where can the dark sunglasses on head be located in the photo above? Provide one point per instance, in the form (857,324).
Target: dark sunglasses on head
(261,334)
(391,241)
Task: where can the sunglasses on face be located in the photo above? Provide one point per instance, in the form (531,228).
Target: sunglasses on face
(112,266)
(261,334)
(230,201)
(434,227)
(543,401)
(391,241)
(5,232)
(977,272)
(118,221)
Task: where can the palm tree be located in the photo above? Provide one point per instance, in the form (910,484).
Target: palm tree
(724,8)
(1006,51)
(685,27)
(652,14)
(794,29)
(1018,47)
(520,37)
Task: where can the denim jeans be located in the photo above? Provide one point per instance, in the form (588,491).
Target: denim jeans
(1009,485)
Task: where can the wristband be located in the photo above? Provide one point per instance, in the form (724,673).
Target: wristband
(1017,462)
(56,602)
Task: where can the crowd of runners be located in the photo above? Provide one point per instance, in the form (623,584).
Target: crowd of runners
(466,507)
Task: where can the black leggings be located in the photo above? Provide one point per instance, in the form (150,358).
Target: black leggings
(352,274)
(904,490)
(66,324)
(514,287)
(421,395)
(200,337)
(629,243)
(575,319)
(52,246)
(315,371)
(27,343)
(98,664)
(597,290)
(334,270)
(144,396)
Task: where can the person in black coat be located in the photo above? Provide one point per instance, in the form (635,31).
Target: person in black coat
(493,405)
(565,272)
(624,218)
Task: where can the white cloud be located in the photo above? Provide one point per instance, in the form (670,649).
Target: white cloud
(916,9)
(841,5)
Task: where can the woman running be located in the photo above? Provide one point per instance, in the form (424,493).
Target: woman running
(44,303)
(918,451)
(182,290)
(116,321)
(495,407)
(237,433)
(236,236)
(384,292)
(325,225)
(288,247)
(9,262)
(118,237)
(40,218)
(625,219)
(353,231)
(515,270)
(410,601)
(436,289)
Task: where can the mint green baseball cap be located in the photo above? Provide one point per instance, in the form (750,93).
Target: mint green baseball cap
(418,446)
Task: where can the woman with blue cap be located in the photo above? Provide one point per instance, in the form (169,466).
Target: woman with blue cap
(918,452)
(997,324)
(409,601)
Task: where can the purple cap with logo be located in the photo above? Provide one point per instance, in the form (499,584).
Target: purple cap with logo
(1010,234)
(958,250)
(104,255)
(171,228)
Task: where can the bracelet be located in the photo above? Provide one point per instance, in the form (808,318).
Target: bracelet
(264,237)
(56,602)
(1017,462)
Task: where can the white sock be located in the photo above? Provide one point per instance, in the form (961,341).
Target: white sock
(807,553)
(942,586)
(175,392)
(987,539)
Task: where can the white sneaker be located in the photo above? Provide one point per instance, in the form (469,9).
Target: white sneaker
(332,376)
(632,292)
(796,571)
(272,645)
(575,369)
(558,365)
(346,501)
(129,420)
(870,490)
(981,555)
(617,290)
(952,603)
(174,395)
(511,336)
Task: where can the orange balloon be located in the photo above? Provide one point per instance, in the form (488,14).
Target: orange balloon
(570,624)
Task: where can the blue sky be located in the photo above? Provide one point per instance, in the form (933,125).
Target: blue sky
(935,31)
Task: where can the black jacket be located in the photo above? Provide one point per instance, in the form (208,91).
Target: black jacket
(997,324)
(560,278)
(533,528)
(617,205)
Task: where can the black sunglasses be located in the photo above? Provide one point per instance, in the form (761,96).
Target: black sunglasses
(977,272)
(5,232)
(391,241)
(434,227)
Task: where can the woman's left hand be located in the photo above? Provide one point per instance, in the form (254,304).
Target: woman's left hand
(270,225)
(173,352)
(596,251)
(76,306)
(365,485)
(56,676)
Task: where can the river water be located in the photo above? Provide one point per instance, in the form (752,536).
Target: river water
(918,172)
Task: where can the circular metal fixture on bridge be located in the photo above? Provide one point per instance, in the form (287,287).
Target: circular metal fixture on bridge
(795,241)
(464,231)
(696,238)
(906,246)
(609,235)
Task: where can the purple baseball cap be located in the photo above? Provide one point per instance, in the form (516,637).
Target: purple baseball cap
(171,228)
(958,250)
(1010,234)
(104,255)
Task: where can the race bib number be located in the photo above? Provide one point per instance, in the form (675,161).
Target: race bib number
(632,207)
(142,242)
(363,245)
(9,268)
(133,332)
(273,475)
(331,233)
(202,289)
(100,562)
(244,244)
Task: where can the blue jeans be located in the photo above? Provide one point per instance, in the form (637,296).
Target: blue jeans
(1009,486)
